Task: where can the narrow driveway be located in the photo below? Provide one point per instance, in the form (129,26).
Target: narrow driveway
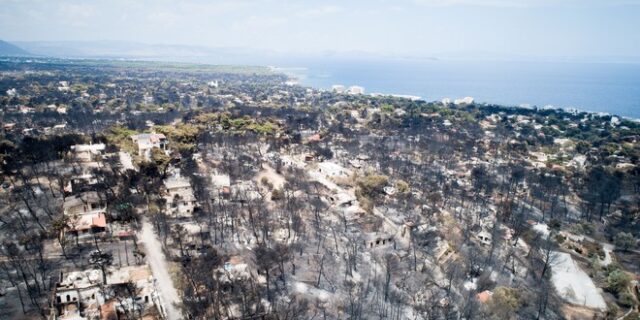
(156,259)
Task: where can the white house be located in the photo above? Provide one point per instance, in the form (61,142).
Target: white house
(83,295)
(221,184)
(87,213)
(148,141)
(337,88)
(463,101)
(180,200)
(356,90)
(87,152)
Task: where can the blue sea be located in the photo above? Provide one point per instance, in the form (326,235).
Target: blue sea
(598,87)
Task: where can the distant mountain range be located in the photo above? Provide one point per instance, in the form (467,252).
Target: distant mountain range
(136,51)
(8,49)
(141,51)
(182,53)
(247,56)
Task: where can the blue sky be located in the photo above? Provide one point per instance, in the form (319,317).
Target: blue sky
(544,28)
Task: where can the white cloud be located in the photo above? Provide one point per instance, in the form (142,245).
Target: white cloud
(79,11)
(76,14)
(213,7)
(373,25)
(256,23)
(165,18)
(321,11)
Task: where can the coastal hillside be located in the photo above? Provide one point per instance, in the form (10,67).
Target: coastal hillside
(8,49)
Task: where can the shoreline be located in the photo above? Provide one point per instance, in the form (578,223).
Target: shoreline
(605,89)
(301,80)
(570,110)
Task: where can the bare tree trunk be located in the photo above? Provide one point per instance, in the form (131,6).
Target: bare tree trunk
(320,271)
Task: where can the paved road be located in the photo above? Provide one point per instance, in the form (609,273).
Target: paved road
(156,259)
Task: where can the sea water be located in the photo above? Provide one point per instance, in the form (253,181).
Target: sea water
(598,87)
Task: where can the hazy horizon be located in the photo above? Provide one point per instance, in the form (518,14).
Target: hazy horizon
(569,29)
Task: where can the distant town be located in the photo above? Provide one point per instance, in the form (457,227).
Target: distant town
(149,190)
